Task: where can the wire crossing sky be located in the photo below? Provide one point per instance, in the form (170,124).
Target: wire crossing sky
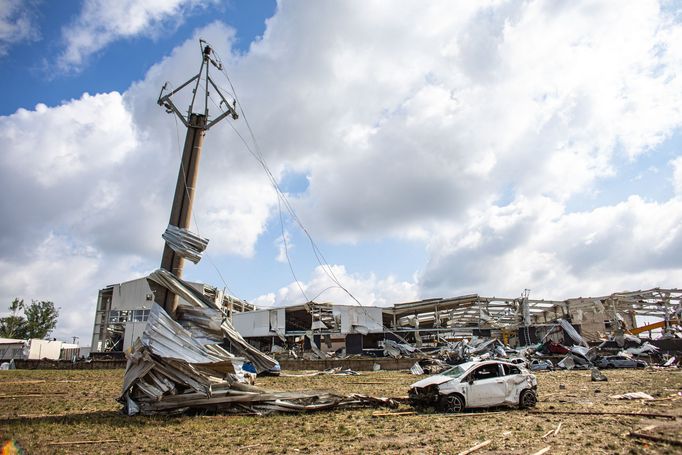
(429,149)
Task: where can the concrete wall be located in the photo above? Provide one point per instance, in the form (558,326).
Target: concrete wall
(354,316)
(132,295)
(253,323)
(44,349)
(591,322)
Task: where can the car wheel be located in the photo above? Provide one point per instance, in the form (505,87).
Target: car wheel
(528,399)
(452,403)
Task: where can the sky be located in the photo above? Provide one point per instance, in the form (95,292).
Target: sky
(430,149)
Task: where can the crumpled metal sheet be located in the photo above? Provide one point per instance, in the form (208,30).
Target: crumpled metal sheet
(338,371)
(566,363)
(184,242)
(492,346)
(396,350)
(633,396)
(203,316)
(179,366)
(315,348)
(169,372)
(164,338)
(476,348)
(586,354)
(571,332)
(166,361)
(645,348)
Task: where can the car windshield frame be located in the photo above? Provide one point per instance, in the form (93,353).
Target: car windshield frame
(455,372)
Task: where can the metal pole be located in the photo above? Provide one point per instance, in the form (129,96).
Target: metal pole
(197,125)
(181,213)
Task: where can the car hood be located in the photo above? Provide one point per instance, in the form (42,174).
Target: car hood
(432,380)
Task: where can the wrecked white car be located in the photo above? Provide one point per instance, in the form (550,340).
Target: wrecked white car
(476,385)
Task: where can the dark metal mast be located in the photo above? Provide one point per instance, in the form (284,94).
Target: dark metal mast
(197,124)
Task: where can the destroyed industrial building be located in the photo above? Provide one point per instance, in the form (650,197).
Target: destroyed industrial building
(123,308)
(514,321)
(195,361)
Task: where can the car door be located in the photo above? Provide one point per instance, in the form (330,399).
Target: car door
(486,386)
(512,379)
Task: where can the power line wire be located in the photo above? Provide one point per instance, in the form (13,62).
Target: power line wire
(257,154)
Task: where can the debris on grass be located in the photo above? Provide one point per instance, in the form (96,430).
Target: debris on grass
(650,437)
(598,376)
(633,396)
(475,448)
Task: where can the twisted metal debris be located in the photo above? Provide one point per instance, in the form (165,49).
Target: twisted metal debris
(180,366)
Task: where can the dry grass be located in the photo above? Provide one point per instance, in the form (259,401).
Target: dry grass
(40,408)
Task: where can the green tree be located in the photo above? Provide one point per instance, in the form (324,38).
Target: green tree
(41,318)
(14,325)
(38,320)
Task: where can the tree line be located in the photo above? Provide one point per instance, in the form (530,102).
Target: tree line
(34,320)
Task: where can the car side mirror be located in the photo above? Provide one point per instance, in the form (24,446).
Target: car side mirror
(471,381)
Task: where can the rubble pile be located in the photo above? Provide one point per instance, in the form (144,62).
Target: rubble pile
(547,355)
(180,365)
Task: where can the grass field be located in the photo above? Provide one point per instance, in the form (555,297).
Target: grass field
(76,412)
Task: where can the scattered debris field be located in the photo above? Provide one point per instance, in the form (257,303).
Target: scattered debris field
(66,411)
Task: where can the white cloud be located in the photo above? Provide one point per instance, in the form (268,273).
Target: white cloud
(534,243)
(17,24)
(68,274)
(76,129)
(102,22)
(404,127)
(368,290)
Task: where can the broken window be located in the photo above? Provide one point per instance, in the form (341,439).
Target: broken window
(509,370)
(140,315)
(454,372)
(116,316)
(486,372)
